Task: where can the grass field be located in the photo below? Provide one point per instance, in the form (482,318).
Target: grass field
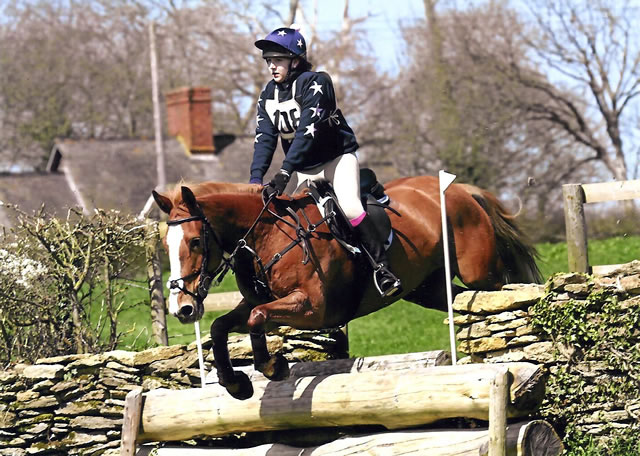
(402,327)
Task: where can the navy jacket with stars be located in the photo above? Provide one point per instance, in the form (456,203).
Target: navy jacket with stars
(312,129)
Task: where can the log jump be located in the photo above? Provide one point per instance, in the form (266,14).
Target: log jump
(394,392)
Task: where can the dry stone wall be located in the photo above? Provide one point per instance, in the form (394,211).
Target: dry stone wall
(497,327)
(72,405)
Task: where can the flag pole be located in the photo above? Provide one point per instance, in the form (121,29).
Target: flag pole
(445,180)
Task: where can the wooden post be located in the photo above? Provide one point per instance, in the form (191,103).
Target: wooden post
(131,422)
(498,400)
(156,296)
(576,227)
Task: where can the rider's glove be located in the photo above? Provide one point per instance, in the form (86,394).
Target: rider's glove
(279,182)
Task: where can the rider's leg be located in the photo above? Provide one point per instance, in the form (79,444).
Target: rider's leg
(387,283)
(344,173)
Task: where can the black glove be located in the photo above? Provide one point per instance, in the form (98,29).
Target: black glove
(279,182)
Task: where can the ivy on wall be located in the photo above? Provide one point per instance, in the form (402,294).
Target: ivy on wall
(596,335)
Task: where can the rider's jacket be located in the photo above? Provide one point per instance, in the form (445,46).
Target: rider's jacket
(303,113)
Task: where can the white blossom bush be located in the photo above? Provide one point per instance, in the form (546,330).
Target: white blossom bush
(62,282)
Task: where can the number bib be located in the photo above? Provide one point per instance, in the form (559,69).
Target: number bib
(285,115)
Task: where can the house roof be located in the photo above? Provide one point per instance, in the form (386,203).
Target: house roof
(29,191)
(119,174)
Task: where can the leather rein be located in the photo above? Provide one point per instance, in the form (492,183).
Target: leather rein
(261,285)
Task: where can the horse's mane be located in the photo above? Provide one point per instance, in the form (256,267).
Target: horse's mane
(200,189)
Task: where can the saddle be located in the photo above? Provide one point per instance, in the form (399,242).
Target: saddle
(374,201)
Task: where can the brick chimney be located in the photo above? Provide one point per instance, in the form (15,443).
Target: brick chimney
(189,118)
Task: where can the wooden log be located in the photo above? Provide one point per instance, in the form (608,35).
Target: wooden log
(407,361)
(392,399)
(222,301)
(131,422)
(530,438)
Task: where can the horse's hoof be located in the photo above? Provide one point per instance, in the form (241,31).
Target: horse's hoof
(276,369)
(241,387)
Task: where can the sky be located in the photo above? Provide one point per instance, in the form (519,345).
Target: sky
(382,26)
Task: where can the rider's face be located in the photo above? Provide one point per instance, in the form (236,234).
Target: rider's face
(279,67)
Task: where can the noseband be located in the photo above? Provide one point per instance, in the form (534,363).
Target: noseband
(206,277)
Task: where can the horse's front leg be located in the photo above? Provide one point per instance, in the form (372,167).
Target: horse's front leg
(292,310)
(237,383)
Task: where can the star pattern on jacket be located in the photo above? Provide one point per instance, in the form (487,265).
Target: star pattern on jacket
(311,130)
(316,88)
(257,136)
(317,111)
(299,43)
(282,33)
(259,119)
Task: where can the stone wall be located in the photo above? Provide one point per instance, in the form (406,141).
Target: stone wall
(70,405)
(497,327)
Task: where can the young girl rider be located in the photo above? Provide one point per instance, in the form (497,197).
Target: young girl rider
(299,106)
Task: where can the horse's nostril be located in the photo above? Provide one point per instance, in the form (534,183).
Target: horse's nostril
(186,310)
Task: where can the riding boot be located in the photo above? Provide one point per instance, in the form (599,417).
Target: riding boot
(387,283)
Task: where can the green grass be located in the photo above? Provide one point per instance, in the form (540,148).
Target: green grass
(135,322)
(400,328)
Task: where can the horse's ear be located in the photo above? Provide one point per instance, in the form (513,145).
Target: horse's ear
(190,200)
(162,201)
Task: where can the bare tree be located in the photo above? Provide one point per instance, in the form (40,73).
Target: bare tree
(593,48)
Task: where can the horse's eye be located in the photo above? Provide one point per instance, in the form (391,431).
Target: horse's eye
(194,243)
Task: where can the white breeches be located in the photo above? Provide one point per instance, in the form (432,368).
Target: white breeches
(344,174)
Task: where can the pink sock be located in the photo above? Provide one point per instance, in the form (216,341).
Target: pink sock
(356,221)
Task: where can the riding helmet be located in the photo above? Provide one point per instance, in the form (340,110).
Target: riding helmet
(283,42)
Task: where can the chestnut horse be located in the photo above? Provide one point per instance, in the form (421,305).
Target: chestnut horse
(291,271)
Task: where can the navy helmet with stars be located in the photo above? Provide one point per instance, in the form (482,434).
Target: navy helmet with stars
(283,42)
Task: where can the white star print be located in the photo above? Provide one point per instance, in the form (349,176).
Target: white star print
(282,33)
(317,111)
(311,130)
(257,136)
(316,88)
(258,119)
(299,43)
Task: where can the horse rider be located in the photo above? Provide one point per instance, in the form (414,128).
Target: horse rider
(299,106)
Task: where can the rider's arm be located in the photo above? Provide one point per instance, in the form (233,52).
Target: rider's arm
(266,139)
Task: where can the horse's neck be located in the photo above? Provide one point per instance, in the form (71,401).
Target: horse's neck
(232,215)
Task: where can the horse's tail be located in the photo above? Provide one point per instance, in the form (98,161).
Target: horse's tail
(517,252)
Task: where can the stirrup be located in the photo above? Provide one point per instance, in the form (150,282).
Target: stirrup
(391,289)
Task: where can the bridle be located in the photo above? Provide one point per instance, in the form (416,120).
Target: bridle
(206,277)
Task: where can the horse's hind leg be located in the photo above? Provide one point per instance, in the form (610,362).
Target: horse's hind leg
(432,292)
(236,383)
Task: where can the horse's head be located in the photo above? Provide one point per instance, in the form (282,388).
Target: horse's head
(195,254)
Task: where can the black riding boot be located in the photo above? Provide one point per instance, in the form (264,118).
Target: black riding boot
(387,283)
